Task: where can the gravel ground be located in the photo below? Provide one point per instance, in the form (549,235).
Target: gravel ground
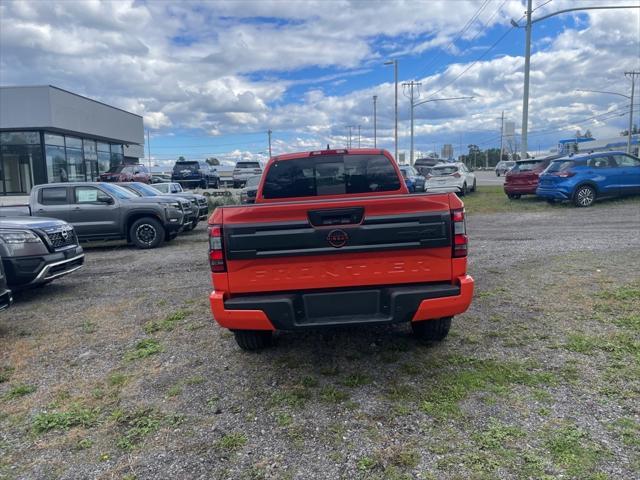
(118,371)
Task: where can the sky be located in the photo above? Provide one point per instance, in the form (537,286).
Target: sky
(211,78)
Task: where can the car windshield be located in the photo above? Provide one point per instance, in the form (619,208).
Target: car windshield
(253,181)
(526,166)
(145,190)
(560,166)
(118,192)
(186,167)
(441,171)
(247,165)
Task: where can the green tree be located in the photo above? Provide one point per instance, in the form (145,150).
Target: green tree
(181,158)
(213,161)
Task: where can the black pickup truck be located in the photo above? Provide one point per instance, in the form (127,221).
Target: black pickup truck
(104,211)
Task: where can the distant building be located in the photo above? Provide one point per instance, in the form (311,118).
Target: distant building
(447,151)
(51,135)
(575,145)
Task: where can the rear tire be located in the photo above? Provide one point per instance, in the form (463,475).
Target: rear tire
(473,189)
(252,340)
(584,196)
(464,190)
(432,330)
(146,232)
(514,196)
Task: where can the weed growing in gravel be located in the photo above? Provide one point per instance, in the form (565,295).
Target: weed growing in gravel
(572,449)
(84,444)
(295,396)
(20,391)
(497,436)
(167,324)
(232,441)
(195,380)
(117,379)
(284,419)
(356,380)
(632,322)
(144,348)
(89,327)
(174,391)
(5,373)
(629,430)
(331,394)
(138,424)
(74,417)
(366,463)
(450,387)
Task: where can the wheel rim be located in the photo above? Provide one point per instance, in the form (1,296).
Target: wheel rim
(146,233)
(585,196)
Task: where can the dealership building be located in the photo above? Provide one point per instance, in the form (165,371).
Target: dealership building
(51,135)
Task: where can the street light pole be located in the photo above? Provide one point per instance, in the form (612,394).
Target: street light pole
(633,87)
(269,132)
(375,128)
(394,62)
(527,59)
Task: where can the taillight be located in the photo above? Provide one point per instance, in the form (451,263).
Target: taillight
(457,175)
(216,253)
(460,239)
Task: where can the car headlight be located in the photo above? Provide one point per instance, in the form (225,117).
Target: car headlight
(14,237)
(172,204)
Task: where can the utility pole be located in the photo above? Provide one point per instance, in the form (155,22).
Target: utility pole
(411,97)
(633,87)
(349,142)
(375,128)
(148,150)
(527,58)
(358,136)
(501,135)
(394,62)
(269,132)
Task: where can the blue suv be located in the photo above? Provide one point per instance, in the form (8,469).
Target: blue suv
(583,178)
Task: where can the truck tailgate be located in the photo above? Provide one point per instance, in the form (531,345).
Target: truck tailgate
(386,240)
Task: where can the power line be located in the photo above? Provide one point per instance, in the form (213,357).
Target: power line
(459,35)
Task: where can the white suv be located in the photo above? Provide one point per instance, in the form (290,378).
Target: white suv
(451,177)
(243,171)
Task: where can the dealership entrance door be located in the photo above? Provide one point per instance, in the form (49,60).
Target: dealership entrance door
(16,173)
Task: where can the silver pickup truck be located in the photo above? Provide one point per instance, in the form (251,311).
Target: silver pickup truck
(104,211)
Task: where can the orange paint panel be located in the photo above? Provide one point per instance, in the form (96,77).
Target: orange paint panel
(434,308)
(340,270)
(237,319)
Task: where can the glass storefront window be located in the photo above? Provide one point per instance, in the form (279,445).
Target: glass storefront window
(104,161)
(75,165)
(51,139)
(117,149)
(20,138)
(73,142)
(56,164)
(90,159)
(103,147)
(16,168)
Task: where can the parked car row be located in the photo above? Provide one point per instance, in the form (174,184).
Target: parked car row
(40,242)
(581,179)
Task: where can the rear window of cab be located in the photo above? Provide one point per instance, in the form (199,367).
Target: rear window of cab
(330,175)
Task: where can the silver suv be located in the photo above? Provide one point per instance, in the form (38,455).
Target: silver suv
(244,171)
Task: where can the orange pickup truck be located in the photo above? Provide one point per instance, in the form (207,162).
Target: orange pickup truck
(335,239)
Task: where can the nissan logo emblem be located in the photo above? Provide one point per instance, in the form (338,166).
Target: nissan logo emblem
(64,233)
(337,238)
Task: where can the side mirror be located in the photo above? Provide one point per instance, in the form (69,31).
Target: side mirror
(105,199)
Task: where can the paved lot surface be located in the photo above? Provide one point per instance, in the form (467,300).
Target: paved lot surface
(488,178)
(118,371)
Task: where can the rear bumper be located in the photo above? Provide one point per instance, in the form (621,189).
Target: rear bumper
(522,189)
(443,188)
(553,193)
(365,306)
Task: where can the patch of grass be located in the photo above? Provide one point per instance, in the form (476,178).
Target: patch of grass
(411,368)
(195,380)
(621,294)
(331,394)
(366,463)
(629,430)
(632,322)
(284,419)
(232,441)
(167,324)
(577,342)
(174,391)
(5,373)
(402,456)
(572,450)
(76,416)
(20,391)
(492,199)
(84,444)
(356,380)
(295,396)
(117,379)
(617,345)
(144,348)
(497,436)
(138,425)
(89,327)
(449,387)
